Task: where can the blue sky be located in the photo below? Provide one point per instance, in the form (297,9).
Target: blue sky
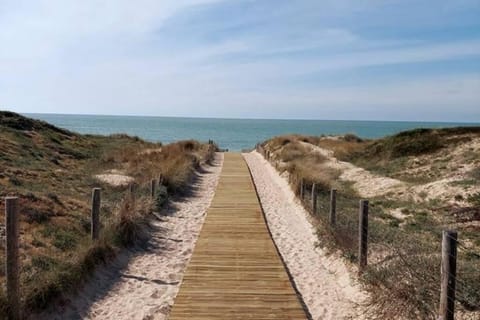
(321,59)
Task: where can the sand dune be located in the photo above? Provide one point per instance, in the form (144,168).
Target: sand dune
(143,283)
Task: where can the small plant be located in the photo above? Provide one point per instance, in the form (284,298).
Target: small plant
(64,240)
(52,196)
(34,215)
(43,262)
(131,225)
(474,199)
(15,181)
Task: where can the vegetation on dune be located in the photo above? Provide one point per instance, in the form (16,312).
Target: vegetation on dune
(403,248)
(52,171)
(390,155)
(294,155)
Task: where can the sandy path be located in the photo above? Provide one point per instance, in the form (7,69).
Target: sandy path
(324,281)
(366,183)
(142,284)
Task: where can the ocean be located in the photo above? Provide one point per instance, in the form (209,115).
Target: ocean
(232,134)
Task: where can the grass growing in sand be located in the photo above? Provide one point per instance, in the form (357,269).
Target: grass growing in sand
(435,186)
(53,171)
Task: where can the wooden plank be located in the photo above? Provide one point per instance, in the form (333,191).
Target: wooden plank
(235,271)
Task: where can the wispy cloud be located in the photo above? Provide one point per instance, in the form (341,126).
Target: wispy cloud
(242,58)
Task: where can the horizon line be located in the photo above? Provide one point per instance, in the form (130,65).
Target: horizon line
(233,118)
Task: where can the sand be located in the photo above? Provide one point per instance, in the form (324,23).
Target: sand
(114,179)
(366,183)
(326,283)
(143,283)
(370,185)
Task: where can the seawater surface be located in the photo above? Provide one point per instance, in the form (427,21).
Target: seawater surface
(233,134)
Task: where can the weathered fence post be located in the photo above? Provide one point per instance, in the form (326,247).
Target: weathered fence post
(95,223)
(314,198)
(333,207)
(448,275)
(152,188)
(363,235)
(302,188)
(131,188)
(12,265)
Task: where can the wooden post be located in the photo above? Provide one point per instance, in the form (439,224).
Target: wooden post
(152,188)
(12,265)
(160,179)
(95,227)
(448,275)
(131,188)
(333,207)
(363,235)
(314,198)
(301,188)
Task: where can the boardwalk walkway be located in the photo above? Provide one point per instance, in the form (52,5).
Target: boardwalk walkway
(235,271)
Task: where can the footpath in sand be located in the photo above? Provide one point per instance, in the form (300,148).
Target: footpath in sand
(324,281)
(235,271)
(142,284)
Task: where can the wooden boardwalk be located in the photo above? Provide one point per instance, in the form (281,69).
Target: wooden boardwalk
(235,271)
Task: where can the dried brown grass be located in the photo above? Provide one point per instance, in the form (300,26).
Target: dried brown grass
(403,272)
(51,170)
(301,161)
(342,148)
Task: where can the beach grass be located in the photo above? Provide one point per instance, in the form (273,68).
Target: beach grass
(403,276)
(53,171)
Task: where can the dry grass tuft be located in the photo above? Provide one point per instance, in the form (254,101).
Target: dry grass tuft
(342,147)
(130,225)
(295,154)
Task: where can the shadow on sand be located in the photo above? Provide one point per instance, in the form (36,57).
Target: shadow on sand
(77,305)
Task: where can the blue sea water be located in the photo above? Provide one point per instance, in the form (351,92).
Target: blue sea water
(234,134)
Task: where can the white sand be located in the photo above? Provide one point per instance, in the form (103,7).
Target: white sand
(325,282)
(369,185)
(142,284)
(115,179)
(366,183)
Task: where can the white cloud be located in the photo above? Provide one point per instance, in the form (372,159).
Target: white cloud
(290,66)
(42,28)
(92,57)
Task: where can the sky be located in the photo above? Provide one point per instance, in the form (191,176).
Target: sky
(302,59)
